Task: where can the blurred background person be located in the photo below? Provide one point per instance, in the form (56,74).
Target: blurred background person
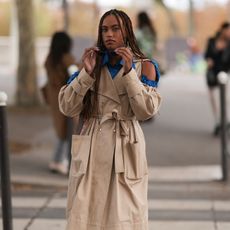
(146,35)
(195,57)
(59,65)
(217,56)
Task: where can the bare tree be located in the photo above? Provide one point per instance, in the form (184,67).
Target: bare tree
(191,18)
(228,9)
(26,74)
(171,18)
(66,14)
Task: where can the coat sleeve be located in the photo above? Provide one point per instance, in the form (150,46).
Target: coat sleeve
(71,95)
(144,99)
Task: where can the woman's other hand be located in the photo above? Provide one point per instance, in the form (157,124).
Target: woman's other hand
(89,59)
(210,63)
(127,57)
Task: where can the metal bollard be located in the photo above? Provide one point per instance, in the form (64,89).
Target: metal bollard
(5,169)
(223,79)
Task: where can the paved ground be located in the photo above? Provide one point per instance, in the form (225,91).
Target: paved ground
(184,164)
(172,205)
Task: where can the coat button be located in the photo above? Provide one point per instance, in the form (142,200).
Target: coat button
(114,130)
(100,129)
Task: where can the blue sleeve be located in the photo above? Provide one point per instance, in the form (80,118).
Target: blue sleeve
(72,77)
(152,83)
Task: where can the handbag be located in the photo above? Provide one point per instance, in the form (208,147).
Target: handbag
(211,78)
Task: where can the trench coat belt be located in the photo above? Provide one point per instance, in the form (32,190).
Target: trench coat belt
(121,130)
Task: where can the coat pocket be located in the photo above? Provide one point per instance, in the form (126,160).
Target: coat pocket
(135,161)
(80,154)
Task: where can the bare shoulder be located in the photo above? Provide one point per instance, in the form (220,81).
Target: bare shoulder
(148,69)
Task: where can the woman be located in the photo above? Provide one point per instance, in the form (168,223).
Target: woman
(146,35)
(217,56)
(108,175)
(59,65)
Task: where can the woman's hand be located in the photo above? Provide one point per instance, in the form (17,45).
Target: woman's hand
(89,59)
(210,63)
(127,57)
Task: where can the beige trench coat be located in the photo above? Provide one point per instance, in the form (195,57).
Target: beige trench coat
(108,176)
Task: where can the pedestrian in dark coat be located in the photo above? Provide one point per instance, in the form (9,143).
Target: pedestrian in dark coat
(217,56)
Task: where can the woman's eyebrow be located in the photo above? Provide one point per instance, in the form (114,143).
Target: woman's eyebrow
(114,25)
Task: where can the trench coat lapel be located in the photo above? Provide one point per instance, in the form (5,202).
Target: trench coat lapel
(107,87)
(120,87)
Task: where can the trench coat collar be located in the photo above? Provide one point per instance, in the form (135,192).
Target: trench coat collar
(112,87)
(105,60)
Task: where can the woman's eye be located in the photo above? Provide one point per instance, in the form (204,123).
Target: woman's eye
(103,29)
(116,28)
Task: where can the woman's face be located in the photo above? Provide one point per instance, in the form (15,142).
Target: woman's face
(112,33)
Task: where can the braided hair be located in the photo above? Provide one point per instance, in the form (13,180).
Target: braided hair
(90,104)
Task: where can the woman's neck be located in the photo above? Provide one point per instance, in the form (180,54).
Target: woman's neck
(113,59)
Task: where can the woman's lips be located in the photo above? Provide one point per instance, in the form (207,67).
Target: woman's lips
(109,41)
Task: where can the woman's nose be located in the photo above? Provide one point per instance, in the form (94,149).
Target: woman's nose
(109,33)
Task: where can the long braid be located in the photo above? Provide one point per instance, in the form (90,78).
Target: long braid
(90,101)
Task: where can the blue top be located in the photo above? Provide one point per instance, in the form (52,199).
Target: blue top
(73,76)
(116,68)
(113,70)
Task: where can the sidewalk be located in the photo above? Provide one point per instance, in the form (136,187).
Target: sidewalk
(32,140)
(177,206)
(184,165)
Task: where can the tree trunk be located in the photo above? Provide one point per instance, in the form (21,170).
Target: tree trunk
(65,15)
(27,93)
(171,18)
(228,10)
(191,22)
